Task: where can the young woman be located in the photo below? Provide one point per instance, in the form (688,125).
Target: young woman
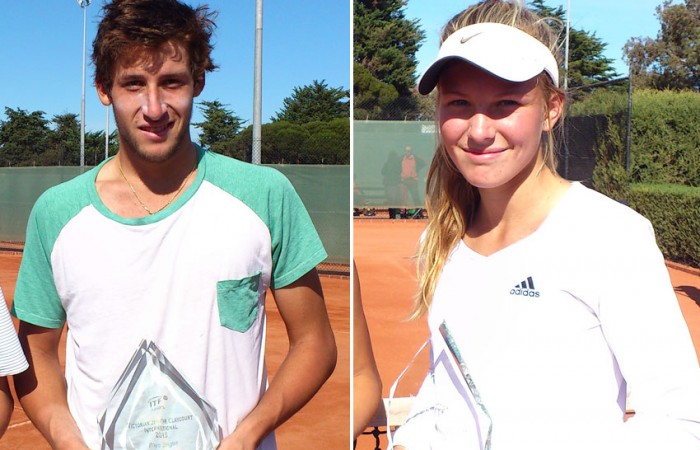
(12,362)
(547,302)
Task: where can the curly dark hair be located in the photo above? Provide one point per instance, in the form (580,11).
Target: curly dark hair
(138,29)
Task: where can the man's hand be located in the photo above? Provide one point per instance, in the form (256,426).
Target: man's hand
(308,364)
(237,441)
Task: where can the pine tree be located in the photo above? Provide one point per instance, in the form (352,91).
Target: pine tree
(314,103)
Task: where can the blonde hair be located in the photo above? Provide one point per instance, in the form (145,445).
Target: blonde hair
(451,201)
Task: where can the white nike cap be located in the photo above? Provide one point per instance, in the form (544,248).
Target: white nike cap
(502,50)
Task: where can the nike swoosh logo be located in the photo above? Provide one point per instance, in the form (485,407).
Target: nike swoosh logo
(465,39)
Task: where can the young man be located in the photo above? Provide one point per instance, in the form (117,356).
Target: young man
(170,243)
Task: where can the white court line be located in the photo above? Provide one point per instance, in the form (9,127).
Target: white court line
(15,425)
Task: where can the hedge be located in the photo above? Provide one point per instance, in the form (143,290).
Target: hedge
(674,211)
(662,183)
(665,132)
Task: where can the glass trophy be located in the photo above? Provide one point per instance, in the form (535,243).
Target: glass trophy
(456,354)
(153,407)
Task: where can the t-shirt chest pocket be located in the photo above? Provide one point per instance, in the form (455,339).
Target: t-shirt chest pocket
(238,302)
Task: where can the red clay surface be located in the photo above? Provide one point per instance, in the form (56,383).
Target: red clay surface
(383,252)
(323,423)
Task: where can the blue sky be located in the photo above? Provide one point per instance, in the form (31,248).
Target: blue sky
(613,21)
(303,41)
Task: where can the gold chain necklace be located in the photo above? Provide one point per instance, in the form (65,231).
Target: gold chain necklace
(143,205)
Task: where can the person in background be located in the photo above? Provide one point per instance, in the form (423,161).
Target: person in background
(409,177)
(391,179)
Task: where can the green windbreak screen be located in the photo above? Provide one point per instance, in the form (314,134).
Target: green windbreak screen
(325,191)
(19,189)
(385,174)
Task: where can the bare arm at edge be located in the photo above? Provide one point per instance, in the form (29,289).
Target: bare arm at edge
(41,389)
(6,405)
(309,362)
(367,386)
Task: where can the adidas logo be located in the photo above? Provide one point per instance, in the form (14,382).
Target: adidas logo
(526,288)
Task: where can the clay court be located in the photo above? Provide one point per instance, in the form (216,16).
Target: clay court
(323,423)
(383,252)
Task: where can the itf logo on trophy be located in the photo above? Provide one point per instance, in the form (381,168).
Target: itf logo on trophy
(157,402)
(153,407)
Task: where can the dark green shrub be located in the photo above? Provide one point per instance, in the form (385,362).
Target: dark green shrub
(600,101)
(675,213)
(609,175)
(665,135)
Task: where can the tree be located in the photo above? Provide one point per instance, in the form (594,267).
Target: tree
(26,139)
(386,42)
(314,102)
(672,60)
(327,142)
(64,142)
(243,144)
(292,143)
(220,127)
(23,137)
(372,96)
(283,143)
(95,147)
(587,64)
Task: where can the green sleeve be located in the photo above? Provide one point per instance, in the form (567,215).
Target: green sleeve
(296,246)
(36,299)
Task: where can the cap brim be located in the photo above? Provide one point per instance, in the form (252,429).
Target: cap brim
(504,51)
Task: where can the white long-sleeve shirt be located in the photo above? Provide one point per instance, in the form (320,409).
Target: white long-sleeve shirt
(553,331)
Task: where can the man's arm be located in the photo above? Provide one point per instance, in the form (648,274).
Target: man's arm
(41,389)
(308,364)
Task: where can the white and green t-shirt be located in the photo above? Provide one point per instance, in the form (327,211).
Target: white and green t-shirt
(192,278)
